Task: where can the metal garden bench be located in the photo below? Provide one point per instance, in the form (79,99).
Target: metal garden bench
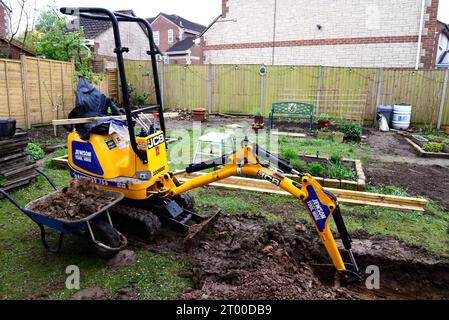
(291,111)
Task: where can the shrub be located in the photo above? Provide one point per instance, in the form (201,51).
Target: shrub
(351,131)
(316,169)
(324,117)
(336,159)
(324,129)
(299,165)
(433,147)
(289,155)
(339,172)
(35,152)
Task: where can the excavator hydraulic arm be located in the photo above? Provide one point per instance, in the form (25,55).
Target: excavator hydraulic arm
(320,205)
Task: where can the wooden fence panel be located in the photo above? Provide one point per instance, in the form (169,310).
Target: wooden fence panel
(290,83)
(11,97)
(422,89)
(31,88)
(236,89)
(185,86)
(445,118)
(50,89)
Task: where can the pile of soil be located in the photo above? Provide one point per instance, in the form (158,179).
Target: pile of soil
(246,258)
(183,114)
(76,202)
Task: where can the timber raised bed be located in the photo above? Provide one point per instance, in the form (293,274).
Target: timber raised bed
(417,146)
(358,184)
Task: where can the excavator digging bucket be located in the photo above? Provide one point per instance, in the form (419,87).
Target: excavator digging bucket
(196,231)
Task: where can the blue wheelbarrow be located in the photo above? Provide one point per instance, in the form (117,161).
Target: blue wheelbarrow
(97,228)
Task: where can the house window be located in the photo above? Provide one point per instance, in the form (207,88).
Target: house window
(170,36)
(156,37)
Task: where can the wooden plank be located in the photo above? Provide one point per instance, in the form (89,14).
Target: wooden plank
(344,196)
(289,134)
(64,122)
(23,168)
(8,158)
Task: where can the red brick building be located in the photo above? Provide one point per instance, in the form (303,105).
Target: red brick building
(176,38)
(13,49)
(4,19)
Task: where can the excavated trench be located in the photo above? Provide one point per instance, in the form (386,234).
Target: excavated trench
(243,257)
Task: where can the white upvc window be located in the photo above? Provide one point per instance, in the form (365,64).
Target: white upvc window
(170,36)
(156,37)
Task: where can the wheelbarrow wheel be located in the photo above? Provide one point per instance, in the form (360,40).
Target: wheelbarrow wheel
(106,234)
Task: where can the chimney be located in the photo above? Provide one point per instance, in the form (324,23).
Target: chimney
(224,8)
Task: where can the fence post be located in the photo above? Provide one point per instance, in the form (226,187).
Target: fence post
(162,81)
(318,94)
(26,102)
(209,87)
(262,90)
(443,98)
(379,91)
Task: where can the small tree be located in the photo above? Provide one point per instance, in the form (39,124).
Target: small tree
(56,42)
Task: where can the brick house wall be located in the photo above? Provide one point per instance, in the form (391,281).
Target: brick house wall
(349,33)
(132,36)
(4,25)
(162,25)
(12,51)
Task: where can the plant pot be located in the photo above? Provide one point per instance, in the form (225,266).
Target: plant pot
(259,119)
(338,137)
(199,114)
(323,135)
(446,131)
(323,124)
(446,148)
(7,128)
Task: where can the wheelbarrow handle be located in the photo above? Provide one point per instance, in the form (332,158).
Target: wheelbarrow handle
(7,196)
(42,173)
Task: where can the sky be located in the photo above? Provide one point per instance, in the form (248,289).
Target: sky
(201,11)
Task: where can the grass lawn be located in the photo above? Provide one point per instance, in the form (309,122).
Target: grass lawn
(26,271)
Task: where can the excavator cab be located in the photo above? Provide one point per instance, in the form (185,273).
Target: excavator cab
(135,164)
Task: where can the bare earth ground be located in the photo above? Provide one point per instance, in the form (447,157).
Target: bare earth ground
(246,258)
(394,162)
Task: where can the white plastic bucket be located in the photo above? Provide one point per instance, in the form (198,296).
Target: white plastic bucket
(402,116)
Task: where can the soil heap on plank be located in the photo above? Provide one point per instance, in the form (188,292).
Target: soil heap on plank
(78,201)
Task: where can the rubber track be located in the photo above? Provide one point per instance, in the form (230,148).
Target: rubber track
(136,221)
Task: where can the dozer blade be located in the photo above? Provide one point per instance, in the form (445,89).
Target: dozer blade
(197,230)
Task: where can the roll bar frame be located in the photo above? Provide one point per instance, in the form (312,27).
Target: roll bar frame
(116,17)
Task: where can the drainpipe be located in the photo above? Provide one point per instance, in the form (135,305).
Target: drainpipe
(421,25)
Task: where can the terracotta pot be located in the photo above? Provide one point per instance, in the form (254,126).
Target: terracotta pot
(446,131)
(199,114)
(323,124)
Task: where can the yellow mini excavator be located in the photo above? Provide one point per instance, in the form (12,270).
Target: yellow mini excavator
(137,166)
